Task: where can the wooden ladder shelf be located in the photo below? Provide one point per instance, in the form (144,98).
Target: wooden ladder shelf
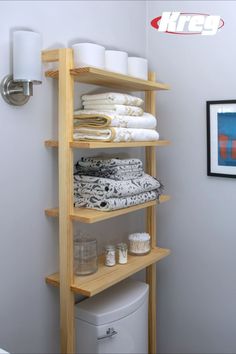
(106,276)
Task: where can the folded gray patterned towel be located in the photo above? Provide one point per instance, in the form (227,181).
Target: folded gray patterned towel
(86,186)
(97,162)
(110,204)
(110,184)
(111,174)
(116,169)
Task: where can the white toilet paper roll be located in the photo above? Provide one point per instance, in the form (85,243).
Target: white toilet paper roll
(117,61)
(89,54)
(138,67)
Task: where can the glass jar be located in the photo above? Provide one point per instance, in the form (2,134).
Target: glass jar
(139,244)
(85,256)
(110,255)
(122,253)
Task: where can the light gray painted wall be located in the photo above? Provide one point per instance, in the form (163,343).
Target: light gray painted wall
(197,287)
(29,241)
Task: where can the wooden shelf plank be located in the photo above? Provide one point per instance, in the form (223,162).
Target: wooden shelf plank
(111,79)
(107,276)
(108,145)
(90,216)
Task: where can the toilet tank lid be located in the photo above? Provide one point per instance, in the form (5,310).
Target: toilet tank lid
(113,304)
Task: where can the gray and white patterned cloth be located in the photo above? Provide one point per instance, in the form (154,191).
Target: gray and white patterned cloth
(116,175)
(86,186)
(110,204)
(97,162)
(111,184)
(121,170)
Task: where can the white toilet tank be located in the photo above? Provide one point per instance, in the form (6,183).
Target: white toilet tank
(114,321)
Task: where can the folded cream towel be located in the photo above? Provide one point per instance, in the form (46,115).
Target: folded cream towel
(117,108)
(115,134)
(94,119)
(113,97)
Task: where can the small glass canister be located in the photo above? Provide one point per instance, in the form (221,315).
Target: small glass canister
(139,244)
(85,256)
(122,253)
(110,255)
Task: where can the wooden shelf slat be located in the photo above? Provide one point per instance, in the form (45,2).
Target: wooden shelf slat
(108,145)
(111,79)
(107,276)
(90,216)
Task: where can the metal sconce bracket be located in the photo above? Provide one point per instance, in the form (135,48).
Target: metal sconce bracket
(16,93)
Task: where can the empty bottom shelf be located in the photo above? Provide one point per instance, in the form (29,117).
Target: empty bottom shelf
(107,276)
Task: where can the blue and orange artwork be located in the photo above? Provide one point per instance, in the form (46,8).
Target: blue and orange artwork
(227,138)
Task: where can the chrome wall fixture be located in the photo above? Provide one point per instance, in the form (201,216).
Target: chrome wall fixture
(16,89)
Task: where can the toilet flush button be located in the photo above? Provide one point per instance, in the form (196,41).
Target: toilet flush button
(110,333)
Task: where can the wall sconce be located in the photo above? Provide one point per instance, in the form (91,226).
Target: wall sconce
(16,89)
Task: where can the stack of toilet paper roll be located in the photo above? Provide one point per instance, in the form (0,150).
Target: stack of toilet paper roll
(91,54)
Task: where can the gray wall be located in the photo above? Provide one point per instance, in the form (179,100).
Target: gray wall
(197,287)
(29,241)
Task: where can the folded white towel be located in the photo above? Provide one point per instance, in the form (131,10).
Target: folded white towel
(93,119)
(115,134)
(113,97)
(117,108)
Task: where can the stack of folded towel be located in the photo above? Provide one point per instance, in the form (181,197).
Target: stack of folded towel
(113,117)
(110,184)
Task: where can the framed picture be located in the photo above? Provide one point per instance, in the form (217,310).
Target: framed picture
(221,138)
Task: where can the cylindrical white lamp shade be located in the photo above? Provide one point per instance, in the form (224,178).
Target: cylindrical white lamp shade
(27,56)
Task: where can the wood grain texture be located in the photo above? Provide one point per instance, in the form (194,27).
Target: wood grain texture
(110,79)
(90,216)
(65,157)
(105,277)
(150,101)
(108,145)
(48,56)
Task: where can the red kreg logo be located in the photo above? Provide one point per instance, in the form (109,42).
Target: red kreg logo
(187,23)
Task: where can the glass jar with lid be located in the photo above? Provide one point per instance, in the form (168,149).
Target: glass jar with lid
(122,253)
(110,255)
